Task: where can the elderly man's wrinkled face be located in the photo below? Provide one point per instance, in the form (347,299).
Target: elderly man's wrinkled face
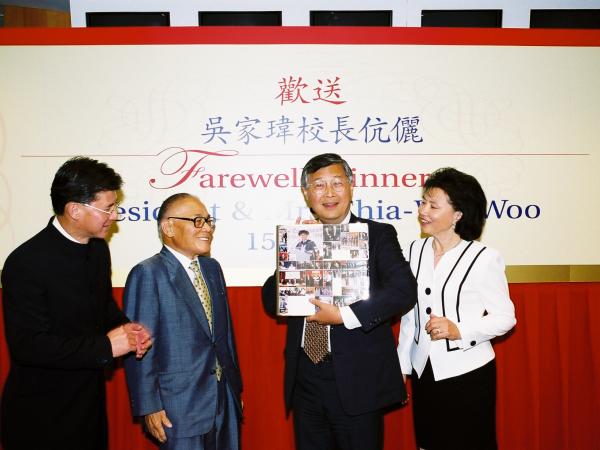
(182,235)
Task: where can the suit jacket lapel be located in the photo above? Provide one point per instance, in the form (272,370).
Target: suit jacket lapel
(183,286)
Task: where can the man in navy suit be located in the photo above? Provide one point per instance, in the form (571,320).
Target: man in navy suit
(338,398)
(188,385)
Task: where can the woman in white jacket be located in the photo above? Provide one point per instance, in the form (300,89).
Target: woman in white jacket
(463,303)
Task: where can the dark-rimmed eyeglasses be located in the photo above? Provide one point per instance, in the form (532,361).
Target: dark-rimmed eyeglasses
(199,221)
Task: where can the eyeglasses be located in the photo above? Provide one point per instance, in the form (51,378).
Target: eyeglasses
(199,221)
(108,212)
(337,184)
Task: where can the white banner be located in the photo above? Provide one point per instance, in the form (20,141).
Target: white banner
(234,124)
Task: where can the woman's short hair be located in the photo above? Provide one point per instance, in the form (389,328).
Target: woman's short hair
(466,195)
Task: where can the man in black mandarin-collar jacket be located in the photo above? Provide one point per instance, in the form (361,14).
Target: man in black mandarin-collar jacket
(62,325)
(339,403)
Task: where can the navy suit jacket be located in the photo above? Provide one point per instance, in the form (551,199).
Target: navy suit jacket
(365,360)
(178,372)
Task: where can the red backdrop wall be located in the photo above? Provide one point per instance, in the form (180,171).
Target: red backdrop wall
(548,376)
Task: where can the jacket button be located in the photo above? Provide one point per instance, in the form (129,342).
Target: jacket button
(473,343)
(428,310)
(213,371)
(427,291)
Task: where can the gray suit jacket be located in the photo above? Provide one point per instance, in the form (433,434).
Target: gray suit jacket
(178,372)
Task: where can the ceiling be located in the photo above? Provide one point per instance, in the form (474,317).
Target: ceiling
(57,5)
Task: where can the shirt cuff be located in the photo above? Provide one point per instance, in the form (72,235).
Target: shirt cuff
(350,320)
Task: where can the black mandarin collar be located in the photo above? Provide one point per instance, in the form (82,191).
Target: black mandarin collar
(66,246)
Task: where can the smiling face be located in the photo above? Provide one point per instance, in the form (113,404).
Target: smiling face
(331,201)
(93,220)
(436,213)
(181,235)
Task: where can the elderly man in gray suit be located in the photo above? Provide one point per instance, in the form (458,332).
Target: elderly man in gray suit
(188,385)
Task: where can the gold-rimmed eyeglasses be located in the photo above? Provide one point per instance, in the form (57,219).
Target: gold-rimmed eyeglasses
(199,221)
(338,184)
(113,209)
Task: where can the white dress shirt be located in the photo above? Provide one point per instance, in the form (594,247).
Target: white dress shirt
(349,318)
(184,261)
(62,231)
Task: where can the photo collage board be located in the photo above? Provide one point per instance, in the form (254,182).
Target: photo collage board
(329,262)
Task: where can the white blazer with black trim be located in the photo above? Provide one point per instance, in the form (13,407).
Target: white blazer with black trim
(468,286)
